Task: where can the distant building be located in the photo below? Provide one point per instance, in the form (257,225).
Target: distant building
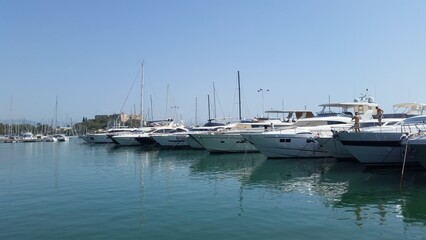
(122,117)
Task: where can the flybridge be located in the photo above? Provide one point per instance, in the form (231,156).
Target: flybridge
(348,108)
(410,109)
(292,114)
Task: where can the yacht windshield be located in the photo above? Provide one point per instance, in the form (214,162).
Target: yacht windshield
(414,120)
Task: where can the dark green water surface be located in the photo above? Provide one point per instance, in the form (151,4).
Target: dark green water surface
(78,191)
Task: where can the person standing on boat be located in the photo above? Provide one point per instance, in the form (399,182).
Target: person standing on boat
(356,118)
(379,115)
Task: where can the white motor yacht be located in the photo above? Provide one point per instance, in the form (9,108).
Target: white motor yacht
(298,141)
(229,139)
(102,135)
(294,142)
(60,137)
(129,138)
(146,139)
(381,145)
(173,139)
(328,141)
(206,129)
(400,111)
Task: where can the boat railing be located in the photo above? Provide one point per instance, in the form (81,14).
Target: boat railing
(325,133)
(413,128)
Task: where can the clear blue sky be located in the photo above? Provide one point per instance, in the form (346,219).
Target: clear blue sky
(88,54)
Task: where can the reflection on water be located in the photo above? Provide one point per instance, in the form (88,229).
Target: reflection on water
(364,193)
(194,193)
(159,157)
(220,167)
(238,165)
(273,172)
(380,190)
(303,176)
(349,186)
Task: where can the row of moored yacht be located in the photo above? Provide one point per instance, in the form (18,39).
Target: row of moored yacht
(398,139)
(28,137)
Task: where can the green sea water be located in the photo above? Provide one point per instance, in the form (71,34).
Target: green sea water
(74,190)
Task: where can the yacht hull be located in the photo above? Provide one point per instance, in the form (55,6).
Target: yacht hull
(145,140)
(335,148)
(416,149)
(125,140)
(374,148)
(193,143)
(224,143)
(276,145)
(172,141)
(96,138)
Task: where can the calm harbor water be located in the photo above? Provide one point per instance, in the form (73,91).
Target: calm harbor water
(79,191)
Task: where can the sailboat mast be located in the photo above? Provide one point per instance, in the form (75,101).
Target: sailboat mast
(208,105)
(142,89)
(196,111)
(239,96)
(56,113)
(214,100)
(10,117)
(152,110)
(167,102)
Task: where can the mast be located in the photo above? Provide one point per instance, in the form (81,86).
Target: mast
(142,124)
(10,117)
(56,113)
(167,102)
(214,100)
(208,106)
(152,110)
(196,111)
(239,96)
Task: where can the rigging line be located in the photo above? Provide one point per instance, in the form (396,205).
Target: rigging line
(136,77)
(215,96)
(323,165)
(244,103)
(389,153)
(233,100)
(403,165)
(220,105)
(237,96)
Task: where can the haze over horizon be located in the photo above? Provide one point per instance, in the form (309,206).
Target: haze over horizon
(88,54)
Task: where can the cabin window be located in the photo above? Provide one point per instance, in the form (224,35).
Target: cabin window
(285,140)
(178,130)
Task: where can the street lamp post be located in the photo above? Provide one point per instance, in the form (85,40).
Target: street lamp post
(261,91)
